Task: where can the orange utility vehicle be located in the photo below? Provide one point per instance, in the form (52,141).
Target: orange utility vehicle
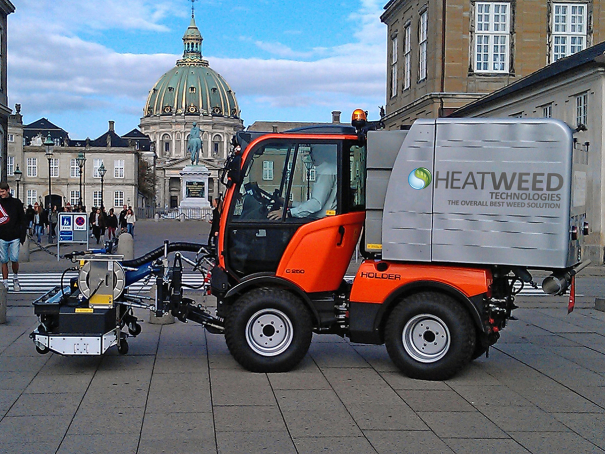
(451,215)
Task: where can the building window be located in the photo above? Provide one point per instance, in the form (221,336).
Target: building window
(118,198)
(57,142)
(96,163)
(394,45)
(118,168)
(32,196)
(54,167)
(582,109)
(74,169)
(10,165)
(547,111)
(32,167)
(11,137)
(216,144)
(96,198)
(422,45)
(568,29)
(516,115)
(407,52)
(267,170)
(74,198)
(492,30)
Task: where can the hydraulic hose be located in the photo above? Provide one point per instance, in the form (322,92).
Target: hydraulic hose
(159,252)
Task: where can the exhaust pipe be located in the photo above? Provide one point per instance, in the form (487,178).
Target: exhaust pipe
(557,283)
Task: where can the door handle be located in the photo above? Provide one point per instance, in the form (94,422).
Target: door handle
(341,232)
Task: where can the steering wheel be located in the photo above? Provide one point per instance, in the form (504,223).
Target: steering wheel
(269,201)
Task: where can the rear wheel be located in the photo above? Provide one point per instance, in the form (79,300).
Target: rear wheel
(268,330)
(430,336)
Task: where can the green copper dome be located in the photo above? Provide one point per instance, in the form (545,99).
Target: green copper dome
(191,87)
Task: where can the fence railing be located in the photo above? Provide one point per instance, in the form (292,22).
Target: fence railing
(189,213)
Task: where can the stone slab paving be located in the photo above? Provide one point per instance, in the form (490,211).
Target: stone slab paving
(542,390)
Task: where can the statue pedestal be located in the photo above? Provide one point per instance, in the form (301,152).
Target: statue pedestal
(194,187)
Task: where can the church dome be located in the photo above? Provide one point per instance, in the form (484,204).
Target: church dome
(192,87)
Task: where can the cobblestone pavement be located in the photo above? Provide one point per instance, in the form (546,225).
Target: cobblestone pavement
(542,389)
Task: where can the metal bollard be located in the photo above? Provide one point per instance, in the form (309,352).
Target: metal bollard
(156,218)
(3,294)
(24,251)
(182,217)
(125,246)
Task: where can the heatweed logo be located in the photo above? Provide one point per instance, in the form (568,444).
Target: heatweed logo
(420,178)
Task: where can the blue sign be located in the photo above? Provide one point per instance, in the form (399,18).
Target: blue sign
(66,236)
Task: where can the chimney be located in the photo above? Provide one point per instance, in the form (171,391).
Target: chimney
(274,128)
(111,126)
(336,116)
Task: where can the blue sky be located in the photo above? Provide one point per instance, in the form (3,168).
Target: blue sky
(82,63)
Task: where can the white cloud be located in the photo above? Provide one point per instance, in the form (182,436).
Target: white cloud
(64,72)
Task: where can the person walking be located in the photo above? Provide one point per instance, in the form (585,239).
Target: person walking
(39,221)
(112,224)
(216,219)
(130,221)
(29,219)
(12,233)
(53,219)
(122,219)
(98,226)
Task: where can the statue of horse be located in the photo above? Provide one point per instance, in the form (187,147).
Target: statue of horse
(195,144)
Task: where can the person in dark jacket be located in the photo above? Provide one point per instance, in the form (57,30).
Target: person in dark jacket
(112,224)
(12,233)
(29,219)
(122,219)
(216,219)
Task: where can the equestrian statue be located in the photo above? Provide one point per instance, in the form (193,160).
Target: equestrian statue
(195,144)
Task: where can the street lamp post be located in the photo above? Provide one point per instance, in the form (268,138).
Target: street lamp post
(102,171)
(80,160)
(48,143)
(18,175)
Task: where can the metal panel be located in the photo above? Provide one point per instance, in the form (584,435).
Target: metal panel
(407,217)
(502,192)
(382,150)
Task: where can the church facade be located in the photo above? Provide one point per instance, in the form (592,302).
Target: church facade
(189,93)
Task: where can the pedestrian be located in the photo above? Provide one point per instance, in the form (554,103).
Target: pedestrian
(29,219)
(112,224)
(53,219)
(91,221)
(216,219)
(122,219)
(12,233)
(130,221)
(98,227)
(38,221)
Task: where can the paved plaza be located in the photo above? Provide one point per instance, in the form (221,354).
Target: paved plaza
(542,389)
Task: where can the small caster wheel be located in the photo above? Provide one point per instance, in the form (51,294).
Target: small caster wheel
(134,329)
(123,347)
(42,350)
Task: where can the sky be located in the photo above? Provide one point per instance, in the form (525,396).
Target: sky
(82,63)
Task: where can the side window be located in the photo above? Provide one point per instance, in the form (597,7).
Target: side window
(265,183)
(357,177)
(315,182)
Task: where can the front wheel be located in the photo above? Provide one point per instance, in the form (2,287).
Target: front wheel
(430,336)
(268,330)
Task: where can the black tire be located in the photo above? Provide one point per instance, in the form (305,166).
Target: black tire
(122,347)
(430,336)
(42,350)
(134,329)
(268,330)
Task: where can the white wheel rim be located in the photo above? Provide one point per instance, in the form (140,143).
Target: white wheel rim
(269,332)
(426,338)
